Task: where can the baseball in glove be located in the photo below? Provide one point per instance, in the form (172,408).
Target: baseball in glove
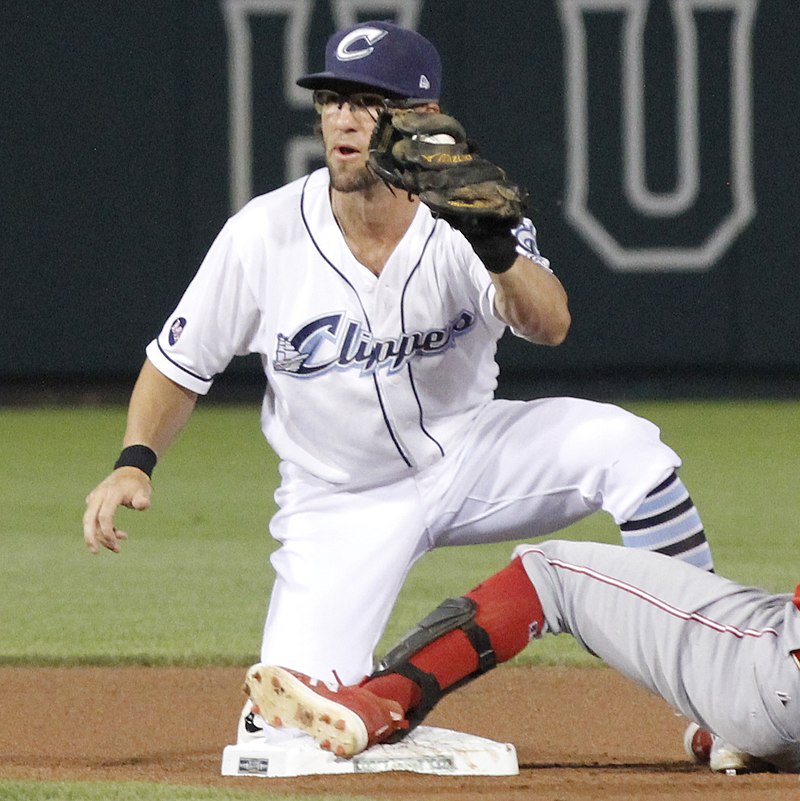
(428,154)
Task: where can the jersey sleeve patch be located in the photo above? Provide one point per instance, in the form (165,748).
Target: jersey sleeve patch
(525,234)
(176,329)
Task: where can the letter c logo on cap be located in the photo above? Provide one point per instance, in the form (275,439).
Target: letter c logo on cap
(348,48)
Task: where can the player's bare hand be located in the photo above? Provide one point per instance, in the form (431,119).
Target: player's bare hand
(126,486)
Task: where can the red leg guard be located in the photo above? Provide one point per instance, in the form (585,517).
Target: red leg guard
(508,610)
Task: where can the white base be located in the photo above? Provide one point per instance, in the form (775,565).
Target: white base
(441,752)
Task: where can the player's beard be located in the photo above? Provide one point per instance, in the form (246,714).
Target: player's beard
(352,180)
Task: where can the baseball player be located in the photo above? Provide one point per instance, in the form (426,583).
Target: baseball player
(377,323)
(723,655)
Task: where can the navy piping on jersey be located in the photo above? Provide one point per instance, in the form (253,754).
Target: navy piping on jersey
(180,366)
(388,425)
(408,366)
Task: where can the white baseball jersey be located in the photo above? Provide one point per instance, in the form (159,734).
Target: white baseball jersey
(382,386)
(367,376)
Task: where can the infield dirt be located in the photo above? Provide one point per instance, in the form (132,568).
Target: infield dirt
(580,733)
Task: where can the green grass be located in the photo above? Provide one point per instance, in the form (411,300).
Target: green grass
(192,583)
(135,791)
(742,466)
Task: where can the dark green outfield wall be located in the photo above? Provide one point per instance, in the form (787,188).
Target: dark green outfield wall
(660,150)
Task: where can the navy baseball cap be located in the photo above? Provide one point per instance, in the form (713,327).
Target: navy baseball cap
(380,55)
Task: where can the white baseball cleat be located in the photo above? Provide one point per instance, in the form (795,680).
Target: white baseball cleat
(344,720)
(705,748)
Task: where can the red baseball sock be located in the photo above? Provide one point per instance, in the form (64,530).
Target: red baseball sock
(508,610)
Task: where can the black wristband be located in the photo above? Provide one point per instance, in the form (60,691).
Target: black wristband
(138,456)
(497,251)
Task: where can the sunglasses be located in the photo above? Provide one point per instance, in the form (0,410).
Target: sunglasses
(370,102)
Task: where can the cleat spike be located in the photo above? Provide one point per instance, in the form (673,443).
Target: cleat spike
(342,719)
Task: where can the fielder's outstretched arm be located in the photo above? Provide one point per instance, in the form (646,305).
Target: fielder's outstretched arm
(159,408)
(533,302)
